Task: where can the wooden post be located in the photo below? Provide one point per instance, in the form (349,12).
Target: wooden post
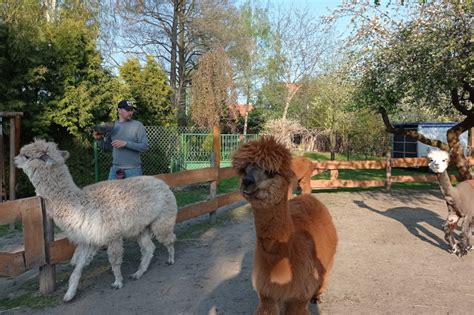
(12,180)
(17,134)
(47,272)
(216,163)
(388,177)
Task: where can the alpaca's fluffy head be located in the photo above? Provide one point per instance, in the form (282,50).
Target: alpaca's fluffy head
(39,155)
(264,166)
(438,160)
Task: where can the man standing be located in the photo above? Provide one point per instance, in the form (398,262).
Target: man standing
(127,140)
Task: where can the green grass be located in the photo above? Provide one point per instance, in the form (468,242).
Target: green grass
(324,156)
(201,193)
(373,174)
(6,232)
(196,230)
(31,300)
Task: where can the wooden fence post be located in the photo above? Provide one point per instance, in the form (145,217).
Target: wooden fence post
(388,177)
(216,163)
(47,272)
(12,180)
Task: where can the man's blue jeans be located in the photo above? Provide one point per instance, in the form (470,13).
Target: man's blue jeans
(129,172)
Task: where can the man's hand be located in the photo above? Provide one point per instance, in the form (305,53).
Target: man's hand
(119,144)
(97,135)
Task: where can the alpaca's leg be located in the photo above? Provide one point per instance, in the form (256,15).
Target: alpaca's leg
(464,244)
(115,253)
(164,234)
(320,294)
(82,257)
(297,307)
(267,306)
(305,184)
(448,229)
(147,248)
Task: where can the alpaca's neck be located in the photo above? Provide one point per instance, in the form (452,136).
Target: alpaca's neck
(445,184)
(55,183)
(273,222)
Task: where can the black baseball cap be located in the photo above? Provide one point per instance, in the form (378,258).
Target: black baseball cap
(126,104)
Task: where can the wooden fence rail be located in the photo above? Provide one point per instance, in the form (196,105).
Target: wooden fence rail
(334,166)
(38,251)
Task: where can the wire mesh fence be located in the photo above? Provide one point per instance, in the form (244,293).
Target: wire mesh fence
(175,149)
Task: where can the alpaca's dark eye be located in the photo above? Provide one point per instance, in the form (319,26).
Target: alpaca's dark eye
(270,174)
(26,156)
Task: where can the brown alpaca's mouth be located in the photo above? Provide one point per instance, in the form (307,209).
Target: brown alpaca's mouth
(248,191)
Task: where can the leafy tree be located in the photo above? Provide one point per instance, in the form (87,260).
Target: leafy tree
(423,56)
(213,91)
(148,86)
(328,110)
(298,45)
(53,71)
(177,33)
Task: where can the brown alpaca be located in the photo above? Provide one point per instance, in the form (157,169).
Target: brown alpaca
(296,239)
(303,169)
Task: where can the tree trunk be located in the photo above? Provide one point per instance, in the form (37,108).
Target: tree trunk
(174,40)
(289,96)
(453,146)
(245,123)
(332,142)
(457,152)
(181,93)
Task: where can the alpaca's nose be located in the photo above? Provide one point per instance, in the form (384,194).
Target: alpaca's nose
(248,180)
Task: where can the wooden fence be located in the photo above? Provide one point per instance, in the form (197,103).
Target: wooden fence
(41,249)
(334,166)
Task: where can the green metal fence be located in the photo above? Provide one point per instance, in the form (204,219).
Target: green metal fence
(175,149)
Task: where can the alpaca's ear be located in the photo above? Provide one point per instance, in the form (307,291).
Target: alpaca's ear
(64,154)
(48,160)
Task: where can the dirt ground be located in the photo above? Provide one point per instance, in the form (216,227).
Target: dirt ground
(391,259)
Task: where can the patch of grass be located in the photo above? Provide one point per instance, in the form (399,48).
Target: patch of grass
(200,193)
(196,230)
(228,185)
(33,300)
(369,174)
(324,156)
(6,232)
(188,196)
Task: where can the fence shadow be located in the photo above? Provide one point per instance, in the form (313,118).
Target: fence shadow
(412,218)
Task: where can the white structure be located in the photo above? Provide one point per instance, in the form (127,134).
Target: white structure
(403,146)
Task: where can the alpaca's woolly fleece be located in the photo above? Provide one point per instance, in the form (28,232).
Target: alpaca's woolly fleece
(265,153)
(101,214)
(296,240)
(459,200)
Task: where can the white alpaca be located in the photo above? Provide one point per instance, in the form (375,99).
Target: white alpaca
(459,199)
(102,214)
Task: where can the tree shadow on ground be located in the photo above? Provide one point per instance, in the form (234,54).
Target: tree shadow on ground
(412,218)
(235,295)
(406,196)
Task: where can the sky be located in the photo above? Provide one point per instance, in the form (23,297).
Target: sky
(318,8)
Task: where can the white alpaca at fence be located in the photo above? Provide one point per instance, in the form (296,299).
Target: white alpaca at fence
(101,214)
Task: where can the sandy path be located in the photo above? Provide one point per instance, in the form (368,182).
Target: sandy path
(391,259)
